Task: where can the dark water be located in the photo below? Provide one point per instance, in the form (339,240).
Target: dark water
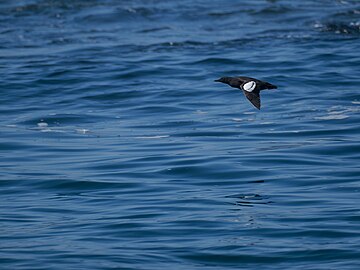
(118,151)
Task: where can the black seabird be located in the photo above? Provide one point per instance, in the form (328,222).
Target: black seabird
(250,86)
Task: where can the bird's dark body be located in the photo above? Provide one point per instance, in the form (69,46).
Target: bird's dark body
(236,82)
(250,86)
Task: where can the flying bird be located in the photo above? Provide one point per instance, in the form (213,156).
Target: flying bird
(250,86)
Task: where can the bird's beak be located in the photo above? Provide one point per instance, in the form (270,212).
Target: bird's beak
(217,80)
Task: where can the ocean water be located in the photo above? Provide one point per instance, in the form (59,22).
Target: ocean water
(119,151)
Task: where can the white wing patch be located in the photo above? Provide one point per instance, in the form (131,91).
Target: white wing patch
(249,86)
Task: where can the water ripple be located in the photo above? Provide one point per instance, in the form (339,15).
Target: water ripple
(119,151)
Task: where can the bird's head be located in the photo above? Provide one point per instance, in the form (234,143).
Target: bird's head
(224,80)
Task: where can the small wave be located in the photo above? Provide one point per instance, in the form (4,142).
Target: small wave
(215,60)
(42,125)
(143,11)
(238,119)
(156,29)
(48,7)
(153,137)
(332,117)
(350,28)
(249,199)
(272,10)
(222,13)
(82,131)
(338,113)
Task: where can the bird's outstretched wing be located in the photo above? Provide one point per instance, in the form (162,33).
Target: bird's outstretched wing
(253,97)
(251,90)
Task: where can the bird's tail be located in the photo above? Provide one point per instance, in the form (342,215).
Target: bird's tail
(270,86)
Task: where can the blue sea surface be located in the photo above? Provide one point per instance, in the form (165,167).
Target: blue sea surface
(119,151)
